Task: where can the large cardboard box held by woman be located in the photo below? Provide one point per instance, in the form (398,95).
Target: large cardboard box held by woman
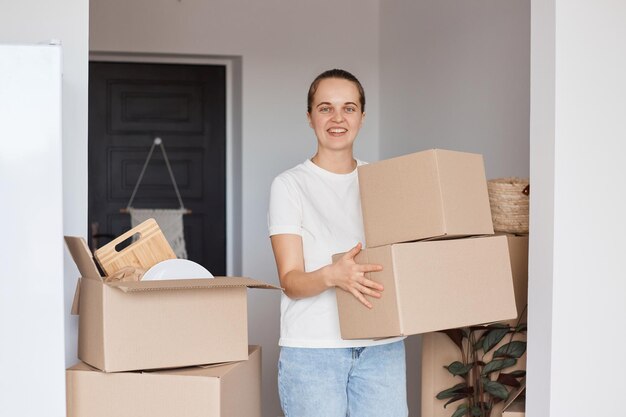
(430,286)
(429,194)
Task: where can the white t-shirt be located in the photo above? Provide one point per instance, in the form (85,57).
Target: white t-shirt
(323,208)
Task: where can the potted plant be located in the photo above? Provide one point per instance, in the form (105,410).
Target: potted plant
(485,372)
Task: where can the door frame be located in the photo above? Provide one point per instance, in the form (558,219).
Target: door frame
(233,134)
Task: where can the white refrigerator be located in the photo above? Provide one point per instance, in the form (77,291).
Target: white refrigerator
(32,358)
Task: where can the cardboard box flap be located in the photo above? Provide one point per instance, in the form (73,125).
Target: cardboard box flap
(82,257)
(187,284)
(75,302)
(211,371)
(82,366)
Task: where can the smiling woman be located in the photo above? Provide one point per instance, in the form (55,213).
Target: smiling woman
(315,212)
(336,110)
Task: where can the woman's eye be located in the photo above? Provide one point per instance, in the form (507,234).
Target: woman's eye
(350,109)
(324,109)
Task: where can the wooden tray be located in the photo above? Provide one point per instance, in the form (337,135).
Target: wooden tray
(150,248)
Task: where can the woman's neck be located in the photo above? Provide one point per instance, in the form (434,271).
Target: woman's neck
(336,162)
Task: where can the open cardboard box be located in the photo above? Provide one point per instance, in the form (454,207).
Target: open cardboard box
(423,195)
(125,326)
(432,285)
(227,390)
(438,350)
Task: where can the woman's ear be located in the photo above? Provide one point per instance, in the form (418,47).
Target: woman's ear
(308,117)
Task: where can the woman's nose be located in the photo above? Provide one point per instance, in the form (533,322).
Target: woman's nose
(338,116)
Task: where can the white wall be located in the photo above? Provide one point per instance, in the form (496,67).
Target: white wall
(581,115)
(541,248)
(455,75)
(283,45)
(33,21)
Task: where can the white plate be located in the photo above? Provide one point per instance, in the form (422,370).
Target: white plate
(176,269)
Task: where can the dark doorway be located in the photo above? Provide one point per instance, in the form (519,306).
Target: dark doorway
(129,105)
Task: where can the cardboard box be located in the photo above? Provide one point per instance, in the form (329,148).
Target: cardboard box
(126,326)
(515,409)
(229,390)
(432,285)
(515,406)
(424,195)
(438,350)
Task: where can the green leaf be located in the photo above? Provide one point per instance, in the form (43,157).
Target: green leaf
(452,392)
(493,338)
(508,379)
(461,411)
(514,349)
(497,364)
(454,399)
(518,374)
(522,327)
(479,343)
(496,389)
(476,411)
(457,368)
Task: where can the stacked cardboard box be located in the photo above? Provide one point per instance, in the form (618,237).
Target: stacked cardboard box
(162,348)
(438,350)
(427,221)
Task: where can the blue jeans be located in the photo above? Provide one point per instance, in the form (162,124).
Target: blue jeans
(355,382)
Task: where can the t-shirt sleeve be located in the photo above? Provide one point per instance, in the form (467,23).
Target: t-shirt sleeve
(285,211)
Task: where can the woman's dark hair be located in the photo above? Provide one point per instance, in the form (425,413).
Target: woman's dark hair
(335,73)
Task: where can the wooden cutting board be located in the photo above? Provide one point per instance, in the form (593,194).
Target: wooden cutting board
(150,248)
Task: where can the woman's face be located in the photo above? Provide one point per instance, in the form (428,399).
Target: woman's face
(336,115)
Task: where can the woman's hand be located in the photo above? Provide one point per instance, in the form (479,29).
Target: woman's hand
(343,273)
(346,274)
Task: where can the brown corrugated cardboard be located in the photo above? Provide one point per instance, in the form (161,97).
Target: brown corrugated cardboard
(431,286)
(84,261)
(515,406)
(438,350)
(518,250)
(229,390)
(125,326)
(434,193)
(515,409)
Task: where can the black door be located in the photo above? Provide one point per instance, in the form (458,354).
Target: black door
(131,104)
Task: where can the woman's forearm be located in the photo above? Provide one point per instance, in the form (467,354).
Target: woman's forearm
(299,284)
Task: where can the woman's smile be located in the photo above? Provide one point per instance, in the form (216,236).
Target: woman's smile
(337,131)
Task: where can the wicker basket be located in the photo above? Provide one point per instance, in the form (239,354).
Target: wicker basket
(508,198)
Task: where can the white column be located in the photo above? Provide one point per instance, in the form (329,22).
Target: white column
(577,285)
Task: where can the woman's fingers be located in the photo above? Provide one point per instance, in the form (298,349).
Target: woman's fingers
(368,267)
(360,275)
(368,283)
(362,287)
(360,297)
(368,291)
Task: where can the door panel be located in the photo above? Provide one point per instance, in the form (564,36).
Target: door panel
(131,104)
